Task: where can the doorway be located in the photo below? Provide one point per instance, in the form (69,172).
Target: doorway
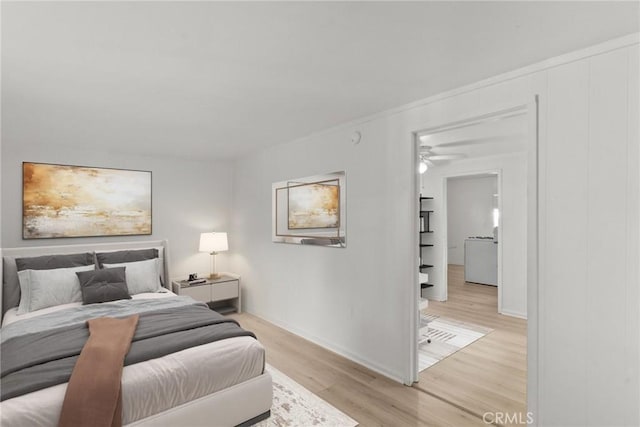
(498,144)
(471,223)
(494,145)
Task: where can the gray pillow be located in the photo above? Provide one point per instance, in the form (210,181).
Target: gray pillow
(142,276)
(120,257)
(11,284)
(104,285)
(50,262)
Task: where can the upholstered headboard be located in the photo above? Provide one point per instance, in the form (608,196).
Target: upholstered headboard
(9,293)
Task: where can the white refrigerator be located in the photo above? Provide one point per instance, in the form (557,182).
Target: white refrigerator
(481,261)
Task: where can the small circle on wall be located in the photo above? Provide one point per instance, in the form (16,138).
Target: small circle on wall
(356,137)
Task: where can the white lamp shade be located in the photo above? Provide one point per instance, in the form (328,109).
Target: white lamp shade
(213,242)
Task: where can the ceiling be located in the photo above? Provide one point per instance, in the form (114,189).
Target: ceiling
(501,134)
(221,79)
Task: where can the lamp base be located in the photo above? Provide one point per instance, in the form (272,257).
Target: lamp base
(214,276)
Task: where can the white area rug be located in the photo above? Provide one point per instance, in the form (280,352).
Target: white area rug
(295,406)
(447,336)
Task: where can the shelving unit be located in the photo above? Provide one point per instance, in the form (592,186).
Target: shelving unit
(425,219)
(425,230)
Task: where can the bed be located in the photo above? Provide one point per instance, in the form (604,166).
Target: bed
(220,383)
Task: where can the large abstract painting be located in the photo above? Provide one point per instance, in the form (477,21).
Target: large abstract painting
(311,210)
(80,201)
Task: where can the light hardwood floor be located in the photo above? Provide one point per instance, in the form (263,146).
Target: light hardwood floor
(485,377)
(490,375)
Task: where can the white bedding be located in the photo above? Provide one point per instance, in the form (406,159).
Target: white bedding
(12,314)
(152,386)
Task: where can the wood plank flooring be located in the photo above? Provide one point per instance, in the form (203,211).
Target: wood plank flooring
(489,375)
(486,377)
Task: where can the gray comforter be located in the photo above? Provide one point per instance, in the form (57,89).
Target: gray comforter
(35,354)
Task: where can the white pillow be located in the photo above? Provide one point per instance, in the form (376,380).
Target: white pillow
(47,288)
(141,276)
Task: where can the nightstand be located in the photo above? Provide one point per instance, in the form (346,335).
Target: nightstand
(222,295)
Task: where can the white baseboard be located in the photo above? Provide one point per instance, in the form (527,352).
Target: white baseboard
(436,297)
(332,347)
(514,314)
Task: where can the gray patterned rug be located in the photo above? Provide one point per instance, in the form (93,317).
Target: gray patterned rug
(295,406)
(441,337)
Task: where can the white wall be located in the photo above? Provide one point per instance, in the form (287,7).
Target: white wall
(188,198)
(470,204)
(585,328)
(352,300)
(589,249)
(513,232)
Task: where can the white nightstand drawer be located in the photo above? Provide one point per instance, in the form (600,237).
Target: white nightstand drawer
(225,290)
(198,293)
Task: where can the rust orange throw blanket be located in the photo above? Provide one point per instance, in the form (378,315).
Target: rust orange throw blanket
(94,395)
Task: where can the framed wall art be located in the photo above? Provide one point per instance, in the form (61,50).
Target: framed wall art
(83,201)
(313,205)
(310,210)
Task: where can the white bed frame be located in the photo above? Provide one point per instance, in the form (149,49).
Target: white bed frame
(243,404)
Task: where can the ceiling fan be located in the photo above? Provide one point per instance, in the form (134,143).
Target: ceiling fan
(428,157)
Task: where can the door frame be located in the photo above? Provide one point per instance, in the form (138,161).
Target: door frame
(531,107)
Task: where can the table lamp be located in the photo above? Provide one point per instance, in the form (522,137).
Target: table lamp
(213,243)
